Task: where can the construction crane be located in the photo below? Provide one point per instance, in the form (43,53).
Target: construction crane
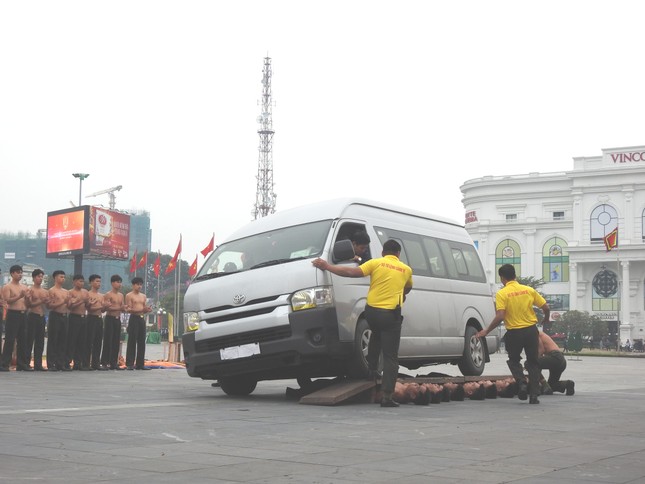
(110,192)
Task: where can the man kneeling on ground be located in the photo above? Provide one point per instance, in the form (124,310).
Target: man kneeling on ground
(552,359)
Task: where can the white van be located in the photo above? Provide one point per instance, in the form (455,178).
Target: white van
(259,310)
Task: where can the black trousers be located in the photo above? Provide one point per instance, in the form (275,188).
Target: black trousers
(385,325)
(93,340)
(111,341)
(36,338)
(57,340)
(555,362)
(136,341)
(76,340)
(524,339)
(15,332)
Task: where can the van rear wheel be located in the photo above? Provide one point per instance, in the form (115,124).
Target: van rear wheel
(473,360)
(238,386)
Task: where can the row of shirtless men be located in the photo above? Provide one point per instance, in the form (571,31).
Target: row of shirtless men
(425,393)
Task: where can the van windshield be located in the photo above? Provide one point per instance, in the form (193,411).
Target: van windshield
(269,248)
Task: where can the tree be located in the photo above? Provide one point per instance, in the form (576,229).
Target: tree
(535,284)
(589,326)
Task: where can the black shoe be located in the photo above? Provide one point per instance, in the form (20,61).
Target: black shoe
(117,368)
(522,392)
(84,368)
(570,386)
(141,368)
(40,368)
(24,368)
(129,367)
(66,368)
(534,400)
(389,403)
(53,368)
(103,368)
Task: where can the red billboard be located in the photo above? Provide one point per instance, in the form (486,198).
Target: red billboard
(96,232)
(67,232)
(109,233)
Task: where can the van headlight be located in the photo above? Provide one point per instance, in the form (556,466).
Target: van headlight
(314,297)
(191,322)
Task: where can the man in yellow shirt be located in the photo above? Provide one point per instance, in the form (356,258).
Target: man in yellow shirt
(390,281)
(514,305)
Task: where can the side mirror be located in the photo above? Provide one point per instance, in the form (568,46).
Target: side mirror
(343,251)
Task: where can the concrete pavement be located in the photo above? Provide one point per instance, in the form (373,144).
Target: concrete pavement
(162,426)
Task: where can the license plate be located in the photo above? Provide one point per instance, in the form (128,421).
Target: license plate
(242,351)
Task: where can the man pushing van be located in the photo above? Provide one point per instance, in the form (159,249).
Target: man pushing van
(390,281)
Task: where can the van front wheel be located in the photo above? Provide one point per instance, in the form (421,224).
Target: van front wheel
(472,362)
(238,386)
(358,364)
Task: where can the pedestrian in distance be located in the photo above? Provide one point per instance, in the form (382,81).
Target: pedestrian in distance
(390,281)
(514,305)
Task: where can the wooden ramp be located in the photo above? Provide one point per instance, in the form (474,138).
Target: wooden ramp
(340,392)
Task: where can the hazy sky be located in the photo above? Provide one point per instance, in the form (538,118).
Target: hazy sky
(398,101)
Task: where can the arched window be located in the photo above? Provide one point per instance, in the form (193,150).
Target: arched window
(604,219)
(605,291)
(508,252)
(555,261)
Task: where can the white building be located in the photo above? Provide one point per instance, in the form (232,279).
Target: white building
(552,226)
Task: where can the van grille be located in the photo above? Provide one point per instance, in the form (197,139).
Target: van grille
(241,315)
(248,303)
(259,336)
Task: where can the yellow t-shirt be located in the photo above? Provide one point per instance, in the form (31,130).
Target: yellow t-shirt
(518,301)
(388,277)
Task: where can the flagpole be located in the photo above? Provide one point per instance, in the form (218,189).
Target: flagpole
(620,296)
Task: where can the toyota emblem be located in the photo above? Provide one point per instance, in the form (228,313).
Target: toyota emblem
(239,299)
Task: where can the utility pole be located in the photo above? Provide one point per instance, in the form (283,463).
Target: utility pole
(264,196)
(78,258)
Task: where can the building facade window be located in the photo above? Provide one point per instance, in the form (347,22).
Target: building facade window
(555,261)
(508,252)
(557,302)
(605,291)
(603,220)
(511,217)
(558,215)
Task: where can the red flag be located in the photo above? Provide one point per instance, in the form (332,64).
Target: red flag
(157,266)
(611,239)
(192,270)
(133,262)
(143,261)
(173,262)
(209,248)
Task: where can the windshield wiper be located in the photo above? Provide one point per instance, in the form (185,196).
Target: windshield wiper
(274,262)
(212,275)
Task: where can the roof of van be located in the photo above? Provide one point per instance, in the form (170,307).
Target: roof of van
(329,209)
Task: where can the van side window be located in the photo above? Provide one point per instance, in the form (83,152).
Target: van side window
(451,265)
(437,266)
(475,269)
(412,252)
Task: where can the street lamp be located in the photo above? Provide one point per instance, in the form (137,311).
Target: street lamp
(78,258)
(81,177)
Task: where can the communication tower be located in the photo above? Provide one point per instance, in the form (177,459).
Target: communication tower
(264,197)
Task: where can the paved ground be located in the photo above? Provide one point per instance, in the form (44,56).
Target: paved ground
(162,426)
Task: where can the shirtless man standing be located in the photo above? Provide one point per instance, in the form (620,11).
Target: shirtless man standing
(94,337)
(37,297)
(14,295)
(57,325)
(114,305)
(78,298)
(135,302)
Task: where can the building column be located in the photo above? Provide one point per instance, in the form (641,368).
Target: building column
(625,325)
(628,225)
(573,286)
(578,222)
(530,254)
